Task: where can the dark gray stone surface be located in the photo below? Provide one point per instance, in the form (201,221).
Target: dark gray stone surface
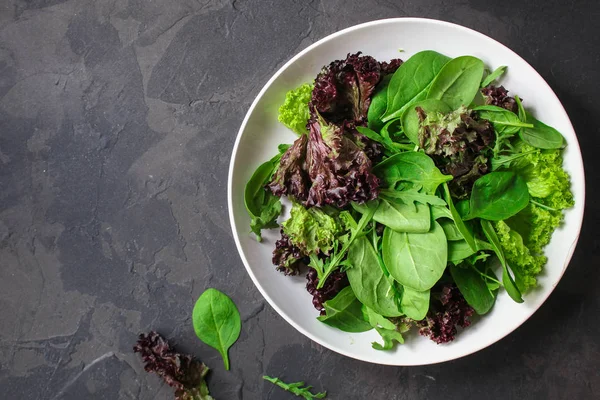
(117,120)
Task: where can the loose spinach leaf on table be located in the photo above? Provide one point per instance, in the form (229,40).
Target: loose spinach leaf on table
(505,122)
(411,167)
(497,73)
(388,331)
(411,122)
(473,287)
(217,321)
(368,280)
(411,81)
(414,304)
(507,279)
(344,312)
(458,82)
(415,260)
(296,388)
(262,206)
(497,196)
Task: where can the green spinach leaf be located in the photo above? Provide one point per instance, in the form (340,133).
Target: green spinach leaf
(368,281)
(263,207)
(378,104)
(411,167)
(415,260)
(217,321)
(473,287)
(541,135)
(410,119)
(411,81)
(412,196)
(497,196)
(457,82)
(344,312)
(414,304)
(498,72)
(507,279)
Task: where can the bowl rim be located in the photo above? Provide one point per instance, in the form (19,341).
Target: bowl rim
(299,328)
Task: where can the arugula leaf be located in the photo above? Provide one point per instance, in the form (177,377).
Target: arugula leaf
(217,321)
(498,72)
(388,331)
(296,388)
(344,312)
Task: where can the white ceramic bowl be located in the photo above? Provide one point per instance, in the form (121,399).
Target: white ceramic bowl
(260,134)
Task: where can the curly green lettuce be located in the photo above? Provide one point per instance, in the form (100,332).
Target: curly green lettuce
(524,236)
(294,113)
(313,230)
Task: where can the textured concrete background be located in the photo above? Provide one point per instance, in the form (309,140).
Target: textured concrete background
(117,120)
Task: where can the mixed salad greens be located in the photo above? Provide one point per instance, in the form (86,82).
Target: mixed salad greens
(419,189)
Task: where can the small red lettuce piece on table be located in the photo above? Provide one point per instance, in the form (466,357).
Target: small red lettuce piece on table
(179,371)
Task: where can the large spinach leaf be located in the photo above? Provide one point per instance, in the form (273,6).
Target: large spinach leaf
(411,167)
(410,119)
(415,260)
(459,250)
(411,81)
(507,279)
(403,217)
(344,312)
(217,321)
(497,196)
(473,287)
(368,281)
(457,82)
